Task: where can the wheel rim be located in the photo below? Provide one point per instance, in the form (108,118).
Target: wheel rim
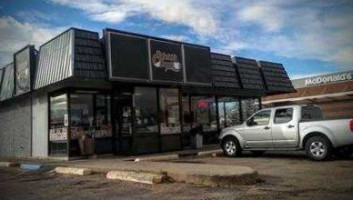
(230,147)
(317,149)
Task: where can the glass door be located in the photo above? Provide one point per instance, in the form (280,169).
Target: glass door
(123,123)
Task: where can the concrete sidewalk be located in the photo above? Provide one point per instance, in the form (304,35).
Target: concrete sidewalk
(200,174)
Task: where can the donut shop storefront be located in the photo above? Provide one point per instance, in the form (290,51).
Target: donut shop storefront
(137,94)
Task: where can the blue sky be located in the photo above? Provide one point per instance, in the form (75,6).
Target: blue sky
(308,37)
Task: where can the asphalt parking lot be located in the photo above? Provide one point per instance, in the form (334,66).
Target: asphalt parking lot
(282,176)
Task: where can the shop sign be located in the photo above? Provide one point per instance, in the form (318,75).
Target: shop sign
(329,79)
(167,61)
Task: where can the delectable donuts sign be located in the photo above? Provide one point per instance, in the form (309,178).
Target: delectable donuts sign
(167,61)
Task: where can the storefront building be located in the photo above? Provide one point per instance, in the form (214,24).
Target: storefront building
(129,93)
(333,93)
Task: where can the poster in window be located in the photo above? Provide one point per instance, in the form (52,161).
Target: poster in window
(23,71)
(166,61)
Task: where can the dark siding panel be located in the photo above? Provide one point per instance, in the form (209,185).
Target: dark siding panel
(276,77)
(224,74)
(249,73)
(89,60)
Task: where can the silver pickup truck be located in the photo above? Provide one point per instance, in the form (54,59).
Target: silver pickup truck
(290,128)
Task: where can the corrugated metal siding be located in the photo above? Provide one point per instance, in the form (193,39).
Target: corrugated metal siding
(223,71)
(276,77)
(249,73)
(55,60)
(89,60)
(7,86)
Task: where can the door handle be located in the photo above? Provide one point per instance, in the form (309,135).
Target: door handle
(266,127)
(290,126)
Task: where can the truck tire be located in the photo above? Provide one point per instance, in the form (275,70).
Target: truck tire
(318,148)
(344,152)
(231,147)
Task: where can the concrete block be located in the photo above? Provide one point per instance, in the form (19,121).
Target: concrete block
(73,171)
(138,177)
(213,153)
(9,164)
(158,158)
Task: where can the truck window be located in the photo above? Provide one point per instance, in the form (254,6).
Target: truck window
(261,118)
(283,115)
(311,113)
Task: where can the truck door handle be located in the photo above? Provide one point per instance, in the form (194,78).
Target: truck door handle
(290,126)
(266,127)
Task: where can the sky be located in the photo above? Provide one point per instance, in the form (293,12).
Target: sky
(308,37)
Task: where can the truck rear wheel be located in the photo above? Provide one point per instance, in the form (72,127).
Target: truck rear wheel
(318,148)
(231,147)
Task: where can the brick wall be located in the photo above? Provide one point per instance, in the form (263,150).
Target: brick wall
(15,128)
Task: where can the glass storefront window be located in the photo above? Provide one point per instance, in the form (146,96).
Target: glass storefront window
(249,107)
(58,130)
(204,113)
(82,119)
(145,103)
(228,111)
(169,105)
(103,116)
(187,117)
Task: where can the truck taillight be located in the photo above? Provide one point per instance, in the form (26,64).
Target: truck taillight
(351,125)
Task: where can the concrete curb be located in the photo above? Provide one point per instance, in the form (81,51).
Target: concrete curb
(9,164)
(138,177)
(158,158)
(213,153)
(73,171)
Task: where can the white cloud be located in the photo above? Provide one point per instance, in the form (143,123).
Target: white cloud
(15,35)
(320,30)
(180,38)
(182,12)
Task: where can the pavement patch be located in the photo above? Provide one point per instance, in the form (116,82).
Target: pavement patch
(73,171)
(138,177)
